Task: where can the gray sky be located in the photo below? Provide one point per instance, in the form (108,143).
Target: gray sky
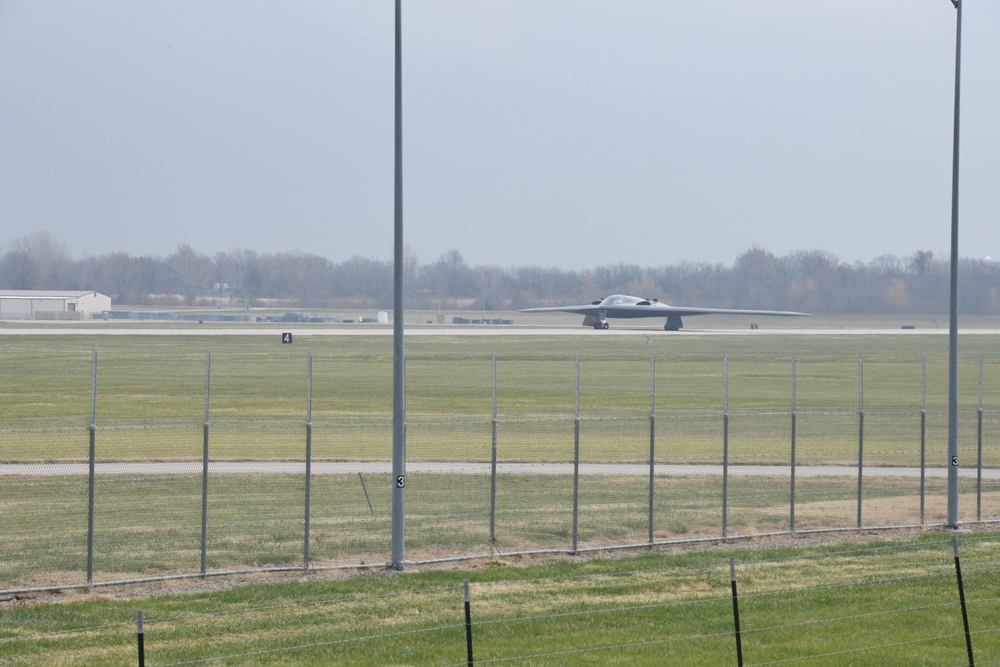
(566,133)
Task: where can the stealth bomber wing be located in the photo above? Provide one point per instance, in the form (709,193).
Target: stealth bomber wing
(622,306)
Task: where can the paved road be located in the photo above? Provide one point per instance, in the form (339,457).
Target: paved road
(385,467)
(103,329)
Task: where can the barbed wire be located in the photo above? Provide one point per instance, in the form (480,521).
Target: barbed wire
(860,649)
(851,617)
(605,610)
(301,647)
(310,603)
(828,587)
(68,631)
(718,599)
(611,647)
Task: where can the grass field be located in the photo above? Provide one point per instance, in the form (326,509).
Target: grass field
(255,378)
(877,603)
(150,406)
(150,526)
(892,603)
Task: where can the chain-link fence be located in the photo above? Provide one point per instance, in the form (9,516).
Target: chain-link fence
(128,469)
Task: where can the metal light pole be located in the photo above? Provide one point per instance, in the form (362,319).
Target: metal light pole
(952,521)
(398,369)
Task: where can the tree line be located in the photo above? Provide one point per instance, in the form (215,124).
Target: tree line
(812,281)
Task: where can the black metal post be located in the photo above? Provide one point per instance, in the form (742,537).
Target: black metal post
(468,624)
(140,641)
(961,597)
(736,612)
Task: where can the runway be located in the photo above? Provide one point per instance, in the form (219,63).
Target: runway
(298,331)
(461,468)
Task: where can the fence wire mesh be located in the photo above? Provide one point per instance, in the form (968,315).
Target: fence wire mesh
(256,461)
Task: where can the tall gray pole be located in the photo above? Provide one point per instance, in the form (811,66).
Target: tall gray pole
(952,521)
(923,436)
(725,445)
(576,461)
(92,456)
(204,467)
(398,386)
(652,441)
(791,500)
(309,428)
(861,434)
(493,463)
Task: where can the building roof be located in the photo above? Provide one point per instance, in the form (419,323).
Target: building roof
(44,294)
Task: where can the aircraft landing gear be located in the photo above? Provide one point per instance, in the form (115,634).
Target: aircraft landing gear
(601,325)
(673,324)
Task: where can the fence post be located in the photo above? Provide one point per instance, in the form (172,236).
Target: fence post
(923,435)
(979,447)
(736,612)
(961,598)
(725,444)
(493,462)
(791,511)
(91,457)
(140,639)
(309,427)
(468,623)
(861,432)
(652,440)
(204,469)
(576,460)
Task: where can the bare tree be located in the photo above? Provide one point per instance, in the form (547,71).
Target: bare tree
(450,277)
(238,275)
(759,279)
(305,278)
(122,274)
(490,285)
(808,280)
(38,261)
(192,271)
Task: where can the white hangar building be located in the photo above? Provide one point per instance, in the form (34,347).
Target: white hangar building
(52,305)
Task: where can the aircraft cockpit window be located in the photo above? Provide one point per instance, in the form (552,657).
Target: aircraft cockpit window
(620,300)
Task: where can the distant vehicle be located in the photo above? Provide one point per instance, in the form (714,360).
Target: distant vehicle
(596,314)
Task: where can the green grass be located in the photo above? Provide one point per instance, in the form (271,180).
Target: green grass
(157,383)
(151,526)
(888,603)
(151,401)
(164,375)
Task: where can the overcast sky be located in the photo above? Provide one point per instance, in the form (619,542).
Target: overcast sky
(567,133)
